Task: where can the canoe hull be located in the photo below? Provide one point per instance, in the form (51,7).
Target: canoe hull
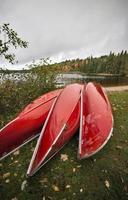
(60,126)
(96,122)
(27,125)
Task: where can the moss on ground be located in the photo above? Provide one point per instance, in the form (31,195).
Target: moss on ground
(102,177)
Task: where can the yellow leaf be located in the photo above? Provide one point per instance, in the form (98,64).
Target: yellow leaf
(55,188)
(68,186)
(119,147)
(14,198)
(74,170)
(16,161)
(81,190)
(6,175)
(7,181)
(16,153)
(78,166)
(64,157)
(107,184)
(15,174)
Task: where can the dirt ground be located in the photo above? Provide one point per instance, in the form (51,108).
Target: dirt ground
(117,88)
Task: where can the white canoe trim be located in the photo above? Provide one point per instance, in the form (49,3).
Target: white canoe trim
(61,131)
(40,165)
(17,118)
(81,121)
(36,106)
(21,115)
(40,138)
(8,124)
(27,141)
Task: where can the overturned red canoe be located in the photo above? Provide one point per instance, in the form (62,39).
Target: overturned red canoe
(27,125)
(61,124)
(96,121)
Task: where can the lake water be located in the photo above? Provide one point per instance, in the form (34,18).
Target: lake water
(67,78)
(77,77)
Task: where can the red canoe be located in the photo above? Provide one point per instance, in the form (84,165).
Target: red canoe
(61,124)
(96,121)
(27,125)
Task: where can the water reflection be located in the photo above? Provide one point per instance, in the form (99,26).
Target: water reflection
(67,78)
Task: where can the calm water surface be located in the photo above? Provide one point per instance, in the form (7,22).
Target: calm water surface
(67,78)
(77,77)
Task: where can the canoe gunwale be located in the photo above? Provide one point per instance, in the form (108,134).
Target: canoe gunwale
(40,165)
(22,114)
(81,120)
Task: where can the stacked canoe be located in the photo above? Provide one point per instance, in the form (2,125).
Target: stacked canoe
(55,117)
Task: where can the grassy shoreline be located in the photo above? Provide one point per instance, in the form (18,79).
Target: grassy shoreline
(104,176)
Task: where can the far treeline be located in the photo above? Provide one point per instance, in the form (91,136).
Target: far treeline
(113,64)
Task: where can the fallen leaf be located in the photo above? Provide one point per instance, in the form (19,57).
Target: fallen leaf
(16,153)
(122,180)
(119,147)
(74,170)
(81,190)
(64,157)
(114,108)
(78,166)
(32,149)
(68,186)
(6,175)
(44,180)
(55,188)
(23,185)
(104,170)
(107,184)
(15,174)
(14,198)
(7,181)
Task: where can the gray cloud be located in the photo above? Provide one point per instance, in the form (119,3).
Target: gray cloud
(67,29)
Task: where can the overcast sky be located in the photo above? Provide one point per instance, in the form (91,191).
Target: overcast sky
(66,29)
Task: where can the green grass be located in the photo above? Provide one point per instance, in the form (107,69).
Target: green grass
(75,180)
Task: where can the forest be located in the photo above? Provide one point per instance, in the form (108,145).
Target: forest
(112,64)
